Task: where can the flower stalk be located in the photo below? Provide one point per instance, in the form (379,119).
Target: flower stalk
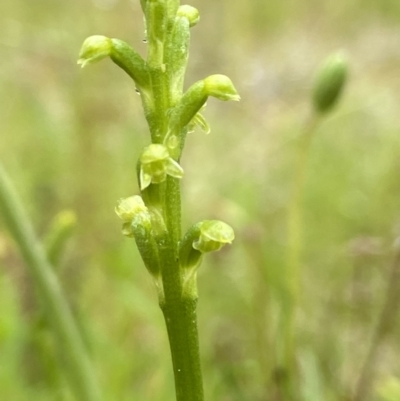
(329,84)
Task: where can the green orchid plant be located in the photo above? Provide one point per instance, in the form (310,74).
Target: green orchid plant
(153,218)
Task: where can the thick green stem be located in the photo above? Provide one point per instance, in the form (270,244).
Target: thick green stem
(181,320)
(179,310)
(78,367)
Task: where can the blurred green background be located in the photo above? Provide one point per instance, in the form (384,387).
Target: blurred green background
(70,139)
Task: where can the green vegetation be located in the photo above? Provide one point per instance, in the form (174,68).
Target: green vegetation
(303,305)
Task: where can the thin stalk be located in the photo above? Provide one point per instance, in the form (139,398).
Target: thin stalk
(384,325)
(78,366)
(295,234)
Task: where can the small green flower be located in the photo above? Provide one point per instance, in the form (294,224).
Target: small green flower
(203,237)
(214,234)
(94,49)
(127,208)
(156,164)
(135,216)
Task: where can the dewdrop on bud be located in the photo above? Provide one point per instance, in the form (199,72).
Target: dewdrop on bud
(94,49)
(220,87)
(329,83)
(214,234)
(189,12)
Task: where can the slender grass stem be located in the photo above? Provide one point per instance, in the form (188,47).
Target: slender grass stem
(294,241)
(78,367)
(383,326)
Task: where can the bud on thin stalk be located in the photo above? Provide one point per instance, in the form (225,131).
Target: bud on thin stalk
(218,86)
(329,83)
(206,236)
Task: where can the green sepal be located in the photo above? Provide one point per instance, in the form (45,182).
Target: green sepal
(329,83)
(199,121)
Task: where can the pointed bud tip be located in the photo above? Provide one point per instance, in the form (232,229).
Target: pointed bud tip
(221,87)
(93,49)
(329,82)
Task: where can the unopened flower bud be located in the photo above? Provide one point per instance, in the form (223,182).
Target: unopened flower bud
(93,49)
(221,87)
(189,12)
(218,86)
(97,47)
(329,83)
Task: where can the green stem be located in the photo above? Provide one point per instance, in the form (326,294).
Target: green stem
(384,325)
(79,369)
(294,229)
(181,320)
(173,209)
(179,308)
